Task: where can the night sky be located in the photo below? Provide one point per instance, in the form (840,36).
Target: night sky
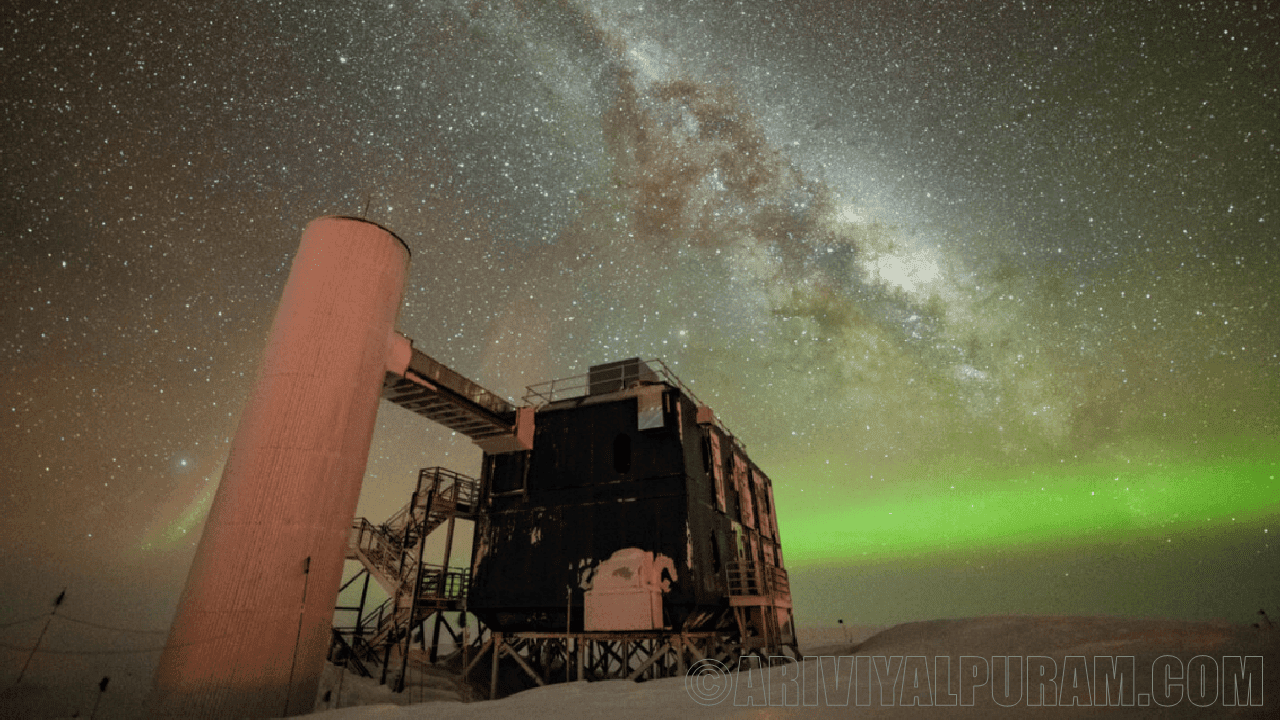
(988,289)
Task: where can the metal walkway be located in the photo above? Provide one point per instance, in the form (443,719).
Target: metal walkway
(430,389)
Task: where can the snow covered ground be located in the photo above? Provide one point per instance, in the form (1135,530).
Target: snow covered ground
(926,664)
(1075,656)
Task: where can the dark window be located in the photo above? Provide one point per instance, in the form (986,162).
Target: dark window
(622,453)
(508,471)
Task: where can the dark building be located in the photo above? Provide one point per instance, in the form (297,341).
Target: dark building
(620,531)
(634,511)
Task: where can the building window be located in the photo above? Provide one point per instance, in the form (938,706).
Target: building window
(622,453)
(714,464)
(742,484)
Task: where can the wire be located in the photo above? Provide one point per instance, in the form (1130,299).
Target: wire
(44,651)
(85,622)
(19,622)
(109,627)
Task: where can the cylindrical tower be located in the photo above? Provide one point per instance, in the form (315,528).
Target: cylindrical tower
(253,624)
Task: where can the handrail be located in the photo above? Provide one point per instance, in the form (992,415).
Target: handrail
(452,488)
(580,385)
(438,582)
(749,578)
(744,578)
(373,621)
(575,386)
(381,547)
(426,367)
(777,580)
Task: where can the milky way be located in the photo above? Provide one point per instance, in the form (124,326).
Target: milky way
(924,259)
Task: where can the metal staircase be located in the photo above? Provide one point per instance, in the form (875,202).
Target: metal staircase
(390,553)
(756,593)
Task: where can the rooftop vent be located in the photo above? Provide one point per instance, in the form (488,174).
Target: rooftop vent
(615,376)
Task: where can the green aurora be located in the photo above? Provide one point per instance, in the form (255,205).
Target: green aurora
(1187,537)
(1034,508)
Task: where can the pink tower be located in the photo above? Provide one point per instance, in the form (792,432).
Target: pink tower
(253,625)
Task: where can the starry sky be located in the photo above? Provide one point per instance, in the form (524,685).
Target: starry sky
(988,289)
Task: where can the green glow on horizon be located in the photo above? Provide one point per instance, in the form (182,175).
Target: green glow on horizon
(164,535)
(1079,504)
